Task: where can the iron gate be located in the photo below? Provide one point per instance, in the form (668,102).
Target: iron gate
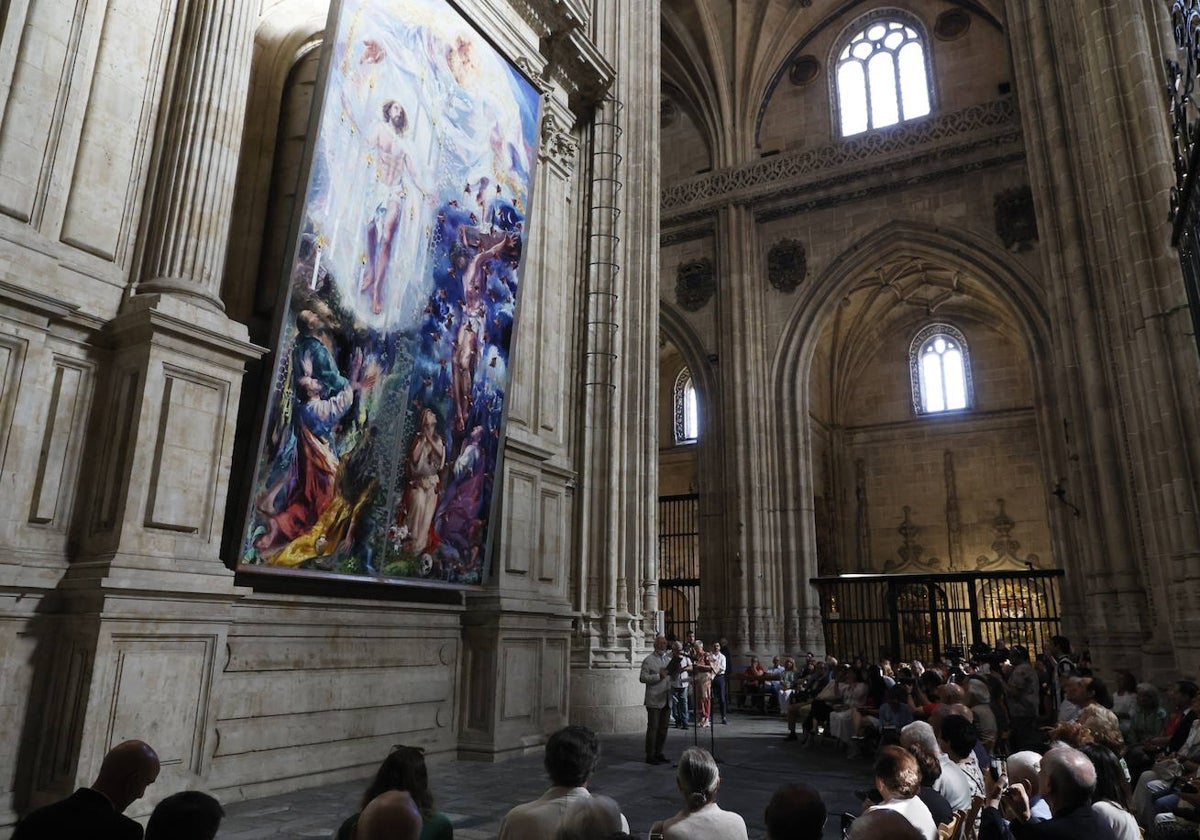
(679,563)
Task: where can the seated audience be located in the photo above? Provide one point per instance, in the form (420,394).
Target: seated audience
(1111,797)
(1067,779)
(953,783)
(801,700)
(753,677)
(594,818)
(841,719)
(958,742)
(1156,789)
(1023,769)
(930,769)
(882,825)
(572,754)
(898,779)
(701,818)
(1148,717)
(404,769)
(979,701)
(98,811)
(1124,701)
(795,812)
(189,815)
(896,712)
(392,815)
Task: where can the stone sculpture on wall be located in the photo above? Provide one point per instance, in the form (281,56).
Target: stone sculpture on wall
(1016,221)
(787,265)
(1005,546)
(695,283)
(910,551)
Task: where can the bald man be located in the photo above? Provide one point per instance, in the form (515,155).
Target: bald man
(882,825)
(392,815)
(1067,779)
(97,812)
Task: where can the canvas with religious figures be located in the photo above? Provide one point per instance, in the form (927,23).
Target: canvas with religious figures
(379,451)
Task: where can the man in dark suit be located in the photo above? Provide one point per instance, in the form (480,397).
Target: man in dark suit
(1066,779)
(97,811)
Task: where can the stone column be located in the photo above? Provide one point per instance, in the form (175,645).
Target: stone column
(618,459)
(1089,89)
(145,606)
(752,528)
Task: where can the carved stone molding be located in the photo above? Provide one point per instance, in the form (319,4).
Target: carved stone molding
(695,283)
(1005,546)
(558,148)
(787,264)
(910,551)
(988,118)
(1016,221)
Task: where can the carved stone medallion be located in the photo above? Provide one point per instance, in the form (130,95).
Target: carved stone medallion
(1016,222)
(695,284)
(786,265)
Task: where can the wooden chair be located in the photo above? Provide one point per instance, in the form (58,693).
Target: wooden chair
(948,830)
(966,829)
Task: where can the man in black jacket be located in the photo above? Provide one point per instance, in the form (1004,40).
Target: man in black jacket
(98,811)
(1067,779)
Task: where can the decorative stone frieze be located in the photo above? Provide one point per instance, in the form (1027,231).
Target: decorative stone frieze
(998,117)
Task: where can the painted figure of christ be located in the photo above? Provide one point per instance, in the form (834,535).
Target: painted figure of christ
(392,163)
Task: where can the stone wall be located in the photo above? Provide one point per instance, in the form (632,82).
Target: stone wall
(144,152)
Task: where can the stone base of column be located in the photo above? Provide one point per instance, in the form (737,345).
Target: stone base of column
(514,690)
(608,700)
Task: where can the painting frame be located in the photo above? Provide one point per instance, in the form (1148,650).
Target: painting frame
(380,448)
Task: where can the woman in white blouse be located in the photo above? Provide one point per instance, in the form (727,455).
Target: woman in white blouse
(1111,798)
(701,818)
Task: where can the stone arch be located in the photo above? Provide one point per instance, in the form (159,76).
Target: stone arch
(791,368)
(709,467)
(285,35)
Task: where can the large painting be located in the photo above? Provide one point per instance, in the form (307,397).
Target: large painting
(380,445)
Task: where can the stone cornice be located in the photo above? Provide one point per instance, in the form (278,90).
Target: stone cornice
(952,135)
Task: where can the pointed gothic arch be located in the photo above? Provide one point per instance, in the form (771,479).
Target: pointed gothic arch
(1013,287)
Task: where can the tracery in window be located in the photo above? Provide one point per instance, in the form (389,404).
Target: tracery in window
(687,409)
(940,367)
(882,76)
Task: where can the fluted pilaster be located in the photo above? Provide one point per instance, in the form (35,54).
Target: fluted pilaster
(196,154)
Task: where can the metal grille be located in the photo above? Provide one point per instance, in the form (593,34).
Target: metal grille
(906,617)
(678,563)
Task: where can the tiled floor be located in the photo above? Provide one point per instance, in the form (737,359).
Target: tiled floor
(755,760)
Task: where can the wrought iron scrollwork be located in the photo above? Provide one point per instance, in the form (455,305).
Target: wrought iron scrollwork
(1181,84)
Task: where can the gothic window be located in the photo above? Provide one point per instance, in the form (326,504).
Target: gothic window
(940,367)
(687,410)
(882,75)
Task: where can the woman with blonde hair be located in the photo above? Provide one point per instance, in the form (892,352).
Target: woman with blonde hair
(701,818)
